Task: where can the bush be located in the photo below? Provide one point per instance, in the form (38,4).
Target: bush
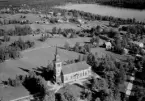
(21,45)
(20,31)
(8,52)
(43,38)
(67,46)
(6,38)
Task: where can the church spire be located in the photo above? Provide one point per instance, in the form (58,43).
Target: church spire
(56,55)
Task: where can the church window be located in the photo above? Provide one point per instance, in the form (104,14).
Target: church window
(71,77)
(58,65)
(85,72)
(80,74)
(66,78)
(89,72)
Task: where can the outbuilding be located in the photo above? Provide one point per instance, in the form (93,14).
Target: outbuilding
(108,45)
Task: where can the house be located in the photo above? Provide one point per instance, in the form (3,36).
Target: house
(60,20)
(108,45)
(71,72)
(58,14)
(125,51)
(140,44)
(129,88)
(51,13)
(80,21)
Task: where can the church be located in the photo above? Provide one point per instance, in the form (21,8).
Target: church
(71,72)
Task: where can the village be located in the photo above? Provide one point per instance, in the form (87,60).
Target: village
(74,46)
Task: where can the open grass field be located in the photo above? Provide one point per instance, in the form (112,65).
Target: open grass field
(11,93)
(30,17)
(42,26)
(102,52)
(39,56)
(50,26)
(33,59)
(61,41)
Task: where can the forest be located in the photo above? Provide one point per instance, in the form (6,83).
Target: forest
(133,4)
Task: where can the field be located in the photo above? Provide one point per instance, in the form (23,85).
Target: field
(10,93)
(39,56)
(102,52)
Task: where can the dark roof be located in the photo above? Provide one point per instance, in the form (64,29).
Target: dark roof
(75,67)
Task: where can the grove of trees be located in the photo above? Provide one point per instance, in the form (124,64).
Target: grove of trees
(12,51)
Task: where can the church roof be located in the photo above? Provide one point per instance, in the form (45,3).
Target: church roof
(67,69)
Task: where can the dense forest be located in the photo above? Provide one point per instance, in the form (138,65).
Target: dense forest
(134,4)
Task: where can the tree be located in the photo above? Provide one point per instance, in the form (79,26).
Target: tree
(54,30)
(118,47)
(91,59)
(76,47)
(6,38)
(67,95)
(139,93)
(50,96)
(95,40)
(124,41)
(66,46)
(36,85)
(59,31)
(87,48)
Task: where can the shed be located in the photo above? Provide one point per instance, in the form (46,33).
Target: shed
(108,45)
(125,51)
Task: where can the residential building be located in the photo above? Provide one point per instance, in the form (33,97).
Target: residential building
(108,45)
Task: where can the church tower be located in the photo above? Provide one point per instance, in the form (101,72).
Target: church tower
(57,66)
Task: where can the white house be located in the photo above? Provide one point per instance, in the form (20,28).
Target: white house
(81,21)
(51,13)
(129,88)
(60,20)
(58,14)
(108,45)
(125,51)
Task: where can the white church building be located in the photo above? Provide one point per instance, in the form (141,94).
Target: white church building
(71,72)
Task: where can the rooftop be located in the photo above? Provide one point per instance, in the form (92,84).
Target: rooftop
(71,68)
(129,86)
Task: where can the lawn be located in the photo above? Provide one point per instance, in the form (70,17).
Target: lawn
(11,93)
(33,59)
(103,52)
(58,25)
(61,41)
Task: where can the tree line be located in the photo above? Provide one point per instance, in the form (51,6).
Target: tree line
(92,17)
(133,4)
(17,31)
(12,51)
